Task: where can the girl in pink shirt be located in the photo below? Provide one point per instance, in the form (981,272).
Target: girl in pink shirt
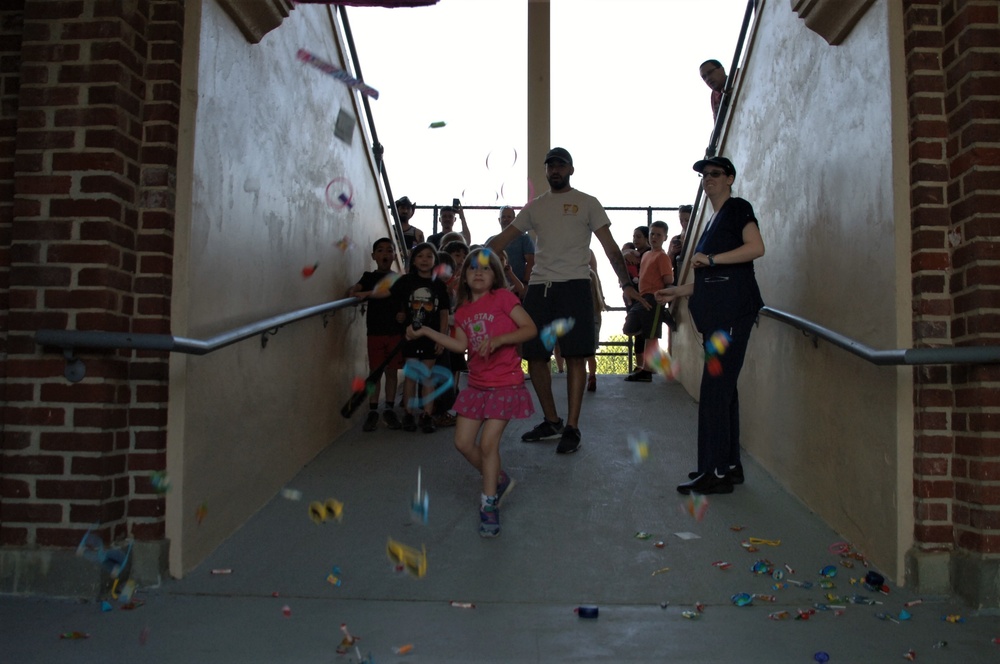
(489,322)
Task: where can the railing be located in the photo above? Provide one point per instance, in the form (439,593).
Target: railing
(70,340)
(898,356)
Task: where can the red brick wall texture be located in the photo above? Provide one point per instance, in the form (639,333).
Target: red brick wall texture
(89,101)
(953,89)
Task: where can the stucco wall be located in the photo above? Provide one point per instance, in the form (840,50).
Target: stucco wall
(257,152)
(812,141)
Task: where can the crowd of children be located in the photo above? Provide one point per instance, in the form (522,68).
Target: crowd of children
(455,312)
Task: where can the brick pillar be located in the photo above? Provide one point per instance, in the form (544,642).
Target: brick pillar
(90,249)
(953,59)
(971,64)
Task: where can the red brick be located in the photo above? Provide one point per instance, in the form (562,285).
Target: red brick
(75,489)
(76,441)
(979,542)
(40,276)
(101,254)
(13,536)
(147,507)
(65,538)
(15,416)
(148,532)
(11,488)
(46,140)
(103,466)
(31,464)
(88,161)
(939,534)
(105,512)
(83,392)
(930,466)
(76,208)
(973,492)
(147,461)
(19,512)
(81,298)
(932,489)
(104,418)
(14,440)
(926,511)
(150,440)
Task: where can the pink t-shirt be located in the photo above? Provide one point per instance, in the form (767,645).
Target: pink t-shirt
(489,316)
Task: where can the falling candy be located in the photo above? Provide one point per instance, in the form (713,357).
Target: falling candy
(402,650)
(286,611)
(291,494)
(385,284)
(420,505)
(696,505)
(407,558)
(436,125)
(333,578)
(714,347)
(442,272)
(656,359)
(639,447)
(321,512)
(821,657)
(483,259)
(160,481)
(344,243)
(558,328)
(309,270)
(74,635)
(829,571)
(742,599)
(201,513)
(347,641)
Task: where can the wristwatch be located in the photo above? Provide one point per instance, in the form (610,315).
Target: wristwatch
(711,260)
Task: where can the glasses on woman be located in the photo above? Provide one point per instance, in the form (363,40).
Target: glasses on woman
(712,174)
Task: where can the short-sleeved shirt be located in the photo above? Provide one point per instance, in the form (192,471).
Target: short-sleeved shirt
(654,267)
(725,293)
(380,319)
(423,298)
(517,252)
(489,316)
(563,225)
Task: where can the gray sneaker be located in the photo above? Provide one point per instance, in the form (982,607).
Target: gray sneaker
(544,431)
(570,441)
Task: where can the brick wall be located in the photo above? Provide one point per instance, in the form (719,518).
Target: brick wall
(953,78)
(90,248)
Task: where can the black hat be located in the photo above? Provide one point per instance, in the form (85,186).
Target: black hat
(721,162)
(559,153)
(405,200)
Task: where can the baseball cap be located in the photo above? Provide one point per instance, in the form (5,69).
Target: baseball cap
(721,162)
(405,200)
(559,153)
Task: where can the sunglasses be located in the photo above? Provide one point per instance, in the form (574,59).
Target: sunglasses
(712,174)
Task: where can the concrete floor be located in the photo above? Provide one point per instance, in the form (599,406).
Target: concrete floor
(568,539)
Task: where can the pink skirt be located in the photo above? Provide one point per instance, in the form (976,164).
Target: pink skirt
(496,403)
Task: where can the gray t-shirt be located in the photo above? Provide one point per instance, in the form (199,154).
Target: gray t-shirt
(563,225)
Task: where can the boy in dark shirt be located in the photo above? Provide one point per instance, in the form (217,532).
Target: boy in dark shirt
(385,332)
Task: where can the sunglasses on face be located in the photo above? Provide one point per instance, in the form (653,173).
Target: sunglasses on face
(713,174)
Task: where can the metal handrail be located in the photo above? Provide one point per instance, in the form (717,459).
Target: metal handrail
(894,357)
(70,340)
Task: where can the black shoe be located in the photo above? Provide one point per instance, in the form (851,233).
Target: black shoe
(735,475)
(392,420)
(706,484)
(427,424)
(544,431)
(371,422)
(409,423)
(639,376)
(570,441)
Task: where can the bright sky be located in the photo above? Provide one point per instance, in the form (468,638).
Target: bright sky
(627,100)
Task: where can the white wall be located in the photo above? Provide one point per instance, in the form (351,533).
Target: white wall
(257,151)
(812,139)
